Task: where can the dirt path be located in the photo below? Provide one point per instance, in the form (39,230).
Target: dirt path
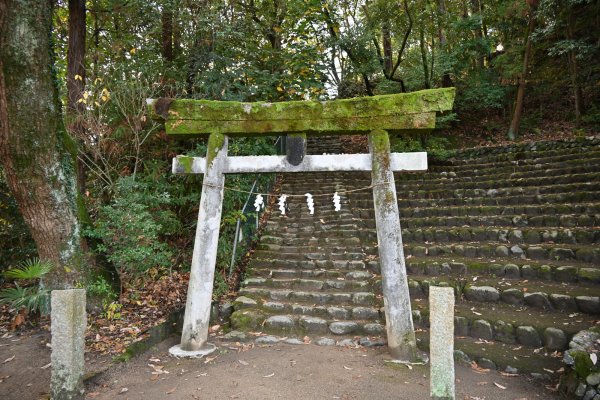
(293,372)
(25,369)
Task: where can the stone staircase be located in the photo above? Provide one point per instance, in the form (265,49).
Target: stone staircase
(514,230)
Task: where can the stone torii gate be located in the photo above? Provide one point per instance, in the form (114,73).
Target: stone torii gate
(375,116)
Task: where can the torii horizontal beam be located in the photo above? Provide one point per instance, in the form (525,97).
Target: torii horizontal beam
(408,162)
(404,112)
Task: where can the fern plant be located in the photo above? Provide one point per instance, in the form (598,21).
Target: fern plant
(29,296)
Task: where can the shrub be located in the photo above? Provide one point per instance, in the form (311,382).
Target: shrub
(132,230)
(30,296)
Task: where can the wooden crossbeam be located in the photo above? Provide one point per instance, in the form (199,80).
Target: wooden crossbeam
(395,113)
(410,162)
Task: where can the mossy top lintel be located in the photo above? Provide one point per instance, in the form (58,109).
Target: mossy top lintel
(395,112)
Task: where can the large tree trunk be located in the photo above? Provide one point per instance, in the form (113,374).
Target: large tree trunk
(35,151)
(515,124)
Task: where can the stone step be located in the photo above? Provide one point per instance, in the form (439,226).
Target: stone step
(431,185)
(502,220)
(292,271)
(311,297)
(571,166)
(538,294)
(308,249)
(484,166)
(353,280)
(437,267)
(531,293)
(313,265)
(557,271)
(500,322)
(577,253)
(524,153)
(529,236)
(513,199)
(494,181)
(497,193)
(591,208)
(310,259)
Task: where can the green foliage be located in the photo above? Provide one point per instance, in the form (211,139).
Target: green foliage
(32,297)
(29,270)
(437,147)
(133,227)
(481,91)
(101,288)
(112,310)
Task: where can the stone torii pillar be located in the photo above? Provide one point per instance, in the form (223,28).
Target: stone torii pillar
(376,116)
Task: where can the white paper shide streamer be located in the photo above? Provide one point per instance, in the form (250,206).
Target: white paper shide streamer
(281,203)
(258,202)
(336,201)
(310,203)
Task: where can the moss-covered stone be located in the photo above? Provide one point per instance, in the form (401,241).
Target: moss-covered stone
(246,320)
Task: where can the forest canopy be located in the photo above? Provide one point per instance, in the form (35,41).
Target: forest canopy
(518,66)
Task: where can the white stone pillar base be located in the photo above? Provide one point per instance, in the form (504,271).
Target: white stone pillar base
(177,352)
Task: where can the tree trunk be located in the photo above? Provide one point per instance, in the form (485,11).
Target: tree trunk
(574,70)
(35,151)
(387,50)
(424,58)
(441,14)
(475,9)
(76,55)
(76,78)
(167,34)
(513,131)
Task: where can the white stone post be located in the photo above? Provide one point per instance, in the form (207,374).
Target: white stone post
(199,296)
(399,324)
(441,343)
(68,323)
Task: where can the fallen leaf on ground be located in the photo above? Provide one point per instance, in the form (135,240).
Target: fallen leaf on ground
(9,359)
(123,390)
(242,362)
(46,366)
(209,359)
(477,368)
(508,374)
(270,375)
(553,388)
(548,370)
(500,386)
(347,367)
